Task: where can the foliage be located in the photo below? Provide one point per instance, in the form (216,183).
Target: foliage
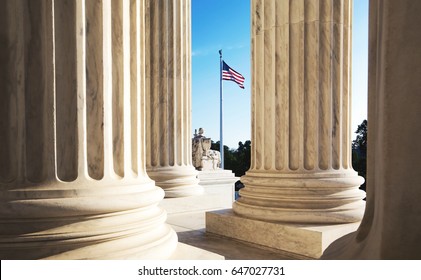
(236,160)
(359,152)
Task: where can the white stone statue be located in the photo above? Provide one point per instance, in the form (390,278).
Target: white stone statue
(203,157)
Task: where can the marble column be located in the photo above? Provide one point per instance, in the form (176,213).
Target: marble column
(168,98)
(73,182)
(301,154)
(391,227)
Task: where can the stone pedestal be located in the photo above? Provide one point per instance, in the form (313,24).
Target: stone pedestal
(391,228)
(303,240)
(217,177)
(168,98)
(73,181)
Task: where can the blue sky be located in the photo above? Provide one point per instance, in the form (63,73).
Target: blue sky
(223,24)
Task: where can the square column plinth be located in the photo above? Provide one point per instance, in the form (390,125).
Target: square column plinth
(306,241)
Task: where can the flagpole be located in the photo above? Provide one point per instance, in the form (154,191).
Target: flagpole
(221,142)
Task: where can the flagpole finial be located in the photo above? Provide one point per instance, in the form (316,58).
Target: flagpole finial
(220,52)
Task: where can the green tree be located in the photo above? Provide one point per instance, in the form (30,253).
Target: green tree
(236,160)
(243,155)
(359,152)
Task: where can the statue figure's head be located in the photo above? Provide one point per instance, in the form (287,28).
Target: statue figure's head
(201,131)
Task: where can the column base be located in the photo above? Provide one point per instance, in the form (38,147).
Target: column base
(350,248)
(316,198)
(159,243)
(308,241)
(176,181)
(114,222)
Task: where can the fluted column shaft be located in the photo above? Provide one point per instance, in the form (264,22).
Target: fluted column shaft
(73,182)
(301,153)
(391,225)
(168,99)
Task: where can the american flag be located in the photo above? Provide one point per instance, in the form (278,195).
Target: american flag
(230,74)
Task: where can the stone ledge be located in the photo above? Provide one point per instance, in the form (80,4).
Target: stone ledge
(306,240)
(216,177)
(216,195)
